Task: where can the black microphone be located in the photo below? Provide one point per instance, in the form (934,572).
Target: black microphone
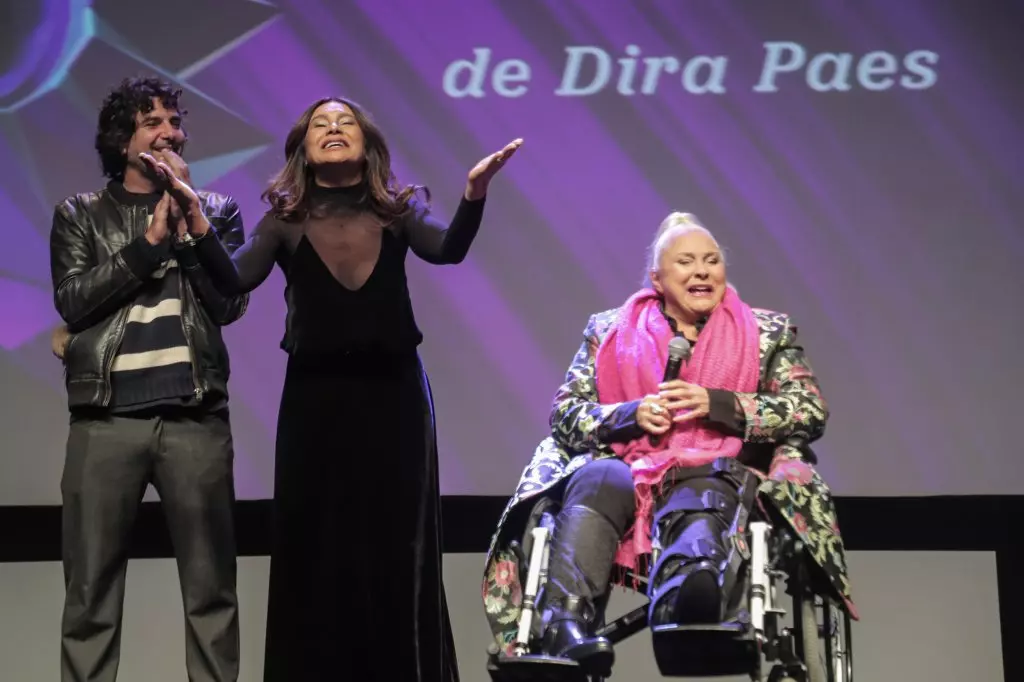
(678,351)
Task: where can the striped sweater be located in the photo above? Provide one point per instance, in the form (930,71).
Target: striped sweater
(153,365)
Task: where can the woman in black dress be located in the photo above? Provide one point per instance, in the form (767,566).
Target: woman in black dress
(355,579)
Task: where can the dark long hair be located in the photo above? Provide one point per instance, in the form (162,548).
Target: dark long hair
(288,192)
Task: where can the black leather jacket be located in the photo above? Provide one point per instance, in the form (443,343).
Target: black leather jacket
(99,257)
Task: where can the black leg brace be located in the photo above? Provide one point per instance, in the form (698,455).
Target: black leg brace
(700,525)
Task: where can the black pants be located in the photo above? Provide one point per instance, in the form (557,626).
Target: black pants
(110,460)
(583,554)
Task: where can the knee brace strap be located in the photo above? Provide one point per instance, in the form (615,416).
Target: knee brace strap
(659,592)
(696,551)
(688,501)
(730,469)
(727,468)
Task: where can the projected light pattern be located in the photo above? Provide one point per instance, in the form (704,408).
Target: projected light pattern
(43,87)
(859,164)
(53,34)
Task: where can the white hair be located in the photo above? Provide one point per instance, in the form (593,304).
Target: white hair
(674,225)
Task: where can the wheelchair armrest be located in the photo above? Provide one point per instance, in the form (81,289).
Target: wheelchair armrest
(521,557)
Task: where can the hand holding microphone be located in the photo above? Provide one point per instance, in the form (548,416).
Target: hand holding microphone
(654,413)
(679,396)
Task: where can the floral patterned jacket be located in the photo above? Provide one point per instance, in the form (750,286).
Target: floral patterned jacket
(789,403)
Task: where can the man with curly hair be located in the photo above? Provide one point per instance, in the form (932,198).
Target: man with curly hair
(146,371)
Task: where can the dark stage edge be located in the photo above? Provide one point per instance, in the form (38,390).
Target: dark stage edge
(879,524)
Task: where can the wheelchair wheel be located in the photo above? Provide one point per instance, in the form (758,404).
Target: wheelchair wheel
(812,643)
(826,644)
(837,629)
(812,657)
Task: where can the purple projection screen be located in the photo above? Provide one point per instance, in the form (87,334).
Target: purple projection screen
(860,162)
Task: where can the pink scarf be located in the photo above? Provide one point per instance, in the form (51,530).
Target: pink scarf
(630,363)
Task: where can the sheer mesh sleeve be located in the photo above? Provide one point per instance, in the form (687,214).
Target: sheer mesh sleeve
(441,244)
(249,265)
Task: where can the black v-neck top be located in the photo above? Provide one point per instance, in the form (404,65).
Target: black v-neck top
(346,282)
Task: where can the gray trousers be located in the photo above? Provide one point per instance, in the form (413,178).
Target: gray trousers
(109,462)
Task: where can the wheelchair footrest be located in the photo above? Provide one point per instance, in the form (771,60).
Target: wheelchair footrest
(534,668)
(704,650)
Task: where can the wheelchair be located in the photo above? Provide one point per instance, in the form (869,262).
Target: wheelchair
(816,647)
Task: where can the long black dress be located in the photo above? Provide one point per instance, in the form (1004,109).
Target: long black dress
(355,579)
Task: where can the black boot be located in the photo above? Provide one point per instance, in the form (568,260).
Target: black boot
(579,566)
(569,634)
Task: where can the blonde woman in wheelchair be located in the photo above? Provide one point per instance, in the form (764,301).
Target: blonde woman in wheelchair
(645,465)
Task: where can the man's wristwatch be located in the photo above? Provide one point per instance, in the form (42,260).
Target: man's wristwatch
(188,240)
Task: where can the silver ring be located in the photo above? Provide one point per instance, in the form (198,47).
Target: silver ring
(656,409)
